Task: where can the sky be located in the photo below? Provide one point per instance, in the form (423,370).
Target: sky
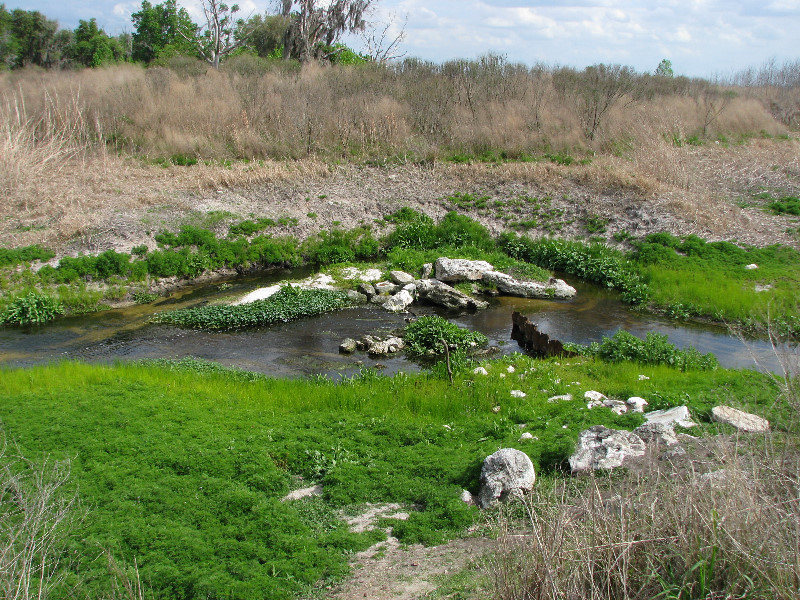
(701,37)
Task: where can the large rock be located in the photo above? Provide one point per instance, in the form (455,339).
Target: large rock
(436,292)
(399,302)
(554,288)
(603,448)
(401,277)
(671,416)
(741,420)
(657,433)
(458,269)
(506,473)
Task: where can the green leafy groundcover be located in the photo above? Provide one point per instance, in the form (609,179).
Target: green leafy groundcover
(183,469)
(288,304)
(424,336)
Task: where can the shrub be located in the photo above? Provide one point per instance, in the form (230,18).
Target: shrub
(655,349)
(31,309)
(424,336)
(14,256)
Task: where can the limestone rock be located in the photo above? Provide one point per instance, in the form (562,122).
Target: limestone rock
(751,267)
(594,396)
(603,448)
(518,394)
(526,436)
(562,397)
(480,371)
(356,297)
(427,271)
(367,289)
(436,292)
(554,288)
(671,416)
(506,473)
(386,287)
(467,498)
(657,433)
(739,419)
(400,277)
(388,346)
(347,346)
(617,406)
(451,270)
(400,301)
(636,403)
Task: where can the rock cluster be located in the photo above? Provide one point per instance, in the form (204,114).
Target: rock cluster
(372,345)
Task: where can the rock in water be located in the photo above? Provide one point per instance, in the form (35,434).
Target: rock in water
(603,448)
(554,288)
(506,473)
(400,301)
(458,269)
(741,420)
(347,346)
(436,292)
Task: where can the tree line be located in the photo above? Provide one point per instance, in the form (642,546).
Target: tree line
(300,30)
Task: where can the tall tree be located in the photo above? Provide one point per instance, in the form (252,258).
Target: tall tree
(315,27)
(33,35)
(222,33)
(160,28)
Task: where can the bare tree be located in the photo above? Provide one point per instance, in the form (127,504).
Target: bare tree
(222,33)
(314,28)
(382,44)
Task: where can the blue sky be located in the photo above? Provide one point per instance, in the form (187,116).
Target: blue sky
(700,37)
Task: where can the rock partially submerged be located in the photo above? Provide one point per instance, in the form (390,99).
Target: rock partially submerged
(527,335)
(556,289)
(436,292)
(505,474)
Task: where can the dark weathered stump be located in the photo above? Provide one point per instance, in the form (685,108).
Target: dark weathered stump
(534,341)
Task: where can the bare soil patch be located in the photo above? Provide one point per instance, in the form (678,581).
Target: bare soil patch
(102,202)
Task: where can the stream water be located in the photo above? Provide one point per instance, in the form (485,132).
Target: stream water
(310,346)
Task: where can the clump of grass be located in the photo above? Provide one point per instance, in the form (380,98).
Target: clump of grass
(288,304)
(729,534)
(788,205)
(10,257)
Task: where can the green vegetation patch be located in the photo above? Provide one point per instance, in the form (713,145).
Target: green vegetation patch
(182,470)
(694,278)
(428,334)
(31,309)
(655,349)
(288,304)
(788,205)
(14,256)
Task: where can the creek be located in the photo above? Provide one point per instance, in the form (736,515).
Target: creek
(310,346)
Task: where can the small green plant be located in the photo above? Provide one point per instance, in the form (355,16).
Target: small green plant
(788,205)
(139,250)
(312,215)
(427,335)
(144,297)
(31,309)
(596,224)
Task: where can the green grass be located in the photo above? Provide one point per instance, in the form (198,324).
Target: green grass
(182,468)
(692,277)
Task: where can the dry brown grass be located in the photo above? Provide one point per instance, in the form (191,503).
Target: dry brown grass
(731,533)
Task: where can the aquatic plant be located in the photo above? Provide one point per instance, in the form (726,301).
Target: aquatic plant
(288,304)
(427,335)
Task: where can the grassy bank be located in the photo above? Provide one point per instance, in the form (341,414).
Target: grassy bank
(685,278)
(181,467)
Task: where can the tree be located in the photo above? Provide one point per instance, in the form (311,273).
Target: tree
(221,35)
(266,33)
(383,43)
(93,48)
(664,69)
(161,27)
(32,35)
(315,29)
(594,91)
